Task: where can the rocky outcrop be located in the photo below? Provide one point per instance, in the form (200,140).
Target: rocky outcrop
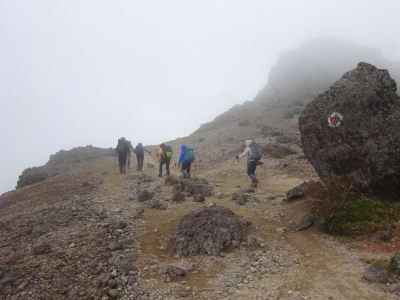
(352,130)
(61,163)
(31,176)
(208,231)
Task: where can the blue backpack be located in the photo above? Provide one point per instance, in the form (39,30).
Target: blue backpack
(189,155)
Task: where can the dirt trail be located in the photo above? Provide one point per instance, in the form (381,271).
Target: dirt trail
(301,265)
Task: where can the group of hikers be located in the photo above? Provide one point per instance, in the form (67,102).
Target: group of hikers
(125,149)
(252,152)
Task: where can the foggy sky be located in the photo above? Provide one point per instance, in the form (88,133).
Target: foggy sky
(86,72)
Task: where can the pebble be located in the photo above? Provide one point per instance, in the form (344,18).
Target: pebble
(113,293)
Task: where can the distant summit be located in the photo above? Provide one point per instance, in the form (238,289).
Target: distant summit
(307,71)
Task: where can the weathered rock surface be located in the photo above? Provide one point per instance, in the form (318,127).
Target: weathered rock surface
(208,231)
(362,141)
(296,193)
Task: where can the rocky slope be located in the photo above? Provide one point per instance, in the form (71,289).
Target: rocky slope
(96,234)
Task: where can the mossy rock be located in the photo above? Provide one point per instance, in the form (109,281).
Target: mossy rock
(362,216)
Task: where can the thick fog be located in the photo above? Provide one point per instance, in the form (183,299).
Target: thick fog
(86,72)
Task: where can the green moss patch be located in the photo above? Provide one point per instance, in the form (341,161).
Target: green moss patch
(361,216)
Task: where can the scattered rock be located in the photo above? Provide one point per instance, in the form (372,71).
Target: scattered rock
(171,180)
(340,140)
(220,195)
(102,280)
(112,284)
(156,204)
(394,289)
(185,292)
(208,231)
(120,225)
(173,273)
(194,186)
(144,195)
(199,198)
(376,274)
(295,193)
(248,191)
(242,196)
(138,213)
(306,223)
(113,293)
(114,246)
(41,249)
(253,242)
(8,279)
(178,197)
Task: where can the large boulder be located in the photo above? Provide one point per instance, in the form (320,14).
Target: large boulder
(208,231)
(353,130)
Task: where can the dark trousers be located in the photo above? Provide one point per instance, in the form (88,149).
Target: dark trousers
(140,160)
(162,162)
(186,166)
(122,160)
(251,169)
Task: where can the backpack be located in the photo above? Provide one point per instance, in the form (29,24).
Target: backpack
(123,147)
(189,155)
(256,152)
(168,152)
(139,149)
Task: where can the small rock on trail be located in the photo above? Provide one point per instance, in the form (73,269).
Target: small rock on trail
(144,195)
(243,196)
(295,193)
(173,273)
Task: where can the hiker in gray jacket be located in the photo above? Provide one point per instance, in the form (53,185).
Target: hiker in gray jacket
(253,153)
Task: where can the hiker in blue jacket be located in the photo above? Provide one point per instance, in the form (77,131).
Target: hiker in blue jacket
(186,158)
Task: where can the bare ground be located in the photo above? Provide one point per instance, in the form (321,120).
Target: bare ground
(84,260)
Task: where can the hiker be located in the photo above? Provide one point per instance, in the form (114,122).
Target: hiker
(186,158)
(129,154)
(139,151)
(164,157)
(123,152)
(254,155)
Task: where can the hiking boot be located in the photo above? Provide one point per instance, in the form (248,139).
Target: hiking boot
(254,183)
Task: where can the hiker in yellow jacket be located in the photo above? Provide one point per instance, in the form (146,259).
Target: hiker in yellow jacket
(164,155)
